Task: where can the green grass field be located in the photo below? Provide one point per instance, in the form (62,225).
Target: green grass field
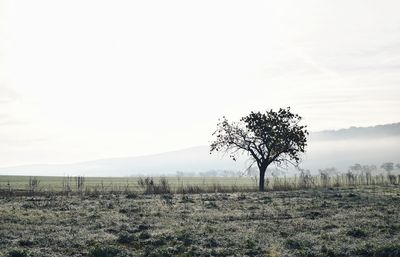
(119,183)
(194,184)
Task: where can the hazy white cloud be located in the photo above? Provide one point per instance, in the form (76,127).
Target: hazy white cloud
(7,95)
(121,78)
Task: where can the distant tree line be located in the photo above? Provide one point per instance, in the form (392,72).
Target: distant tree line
(253,172)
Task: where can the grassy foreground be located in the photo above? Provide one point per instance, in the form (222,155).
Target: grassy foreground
(325,222)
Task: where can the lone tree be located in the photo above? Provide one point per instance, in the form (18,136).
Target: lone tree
(270,137)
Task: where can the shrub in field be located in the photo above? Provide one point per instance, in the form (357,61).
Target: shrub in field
(163,187)
(388,166)
(391,250)
(80,182)
(327,252)
(185,237)
(131,195)
(305,179)
(33,184)
(106,251)
(293,243)
(368,250)
(150,187)
(350,178)
(25,242)
(18,253)
(210,205)
(392,179)
(357,232)
(125,238)
(144,235)
(324,176)
(147,184)
(168,200)
(143,227)
(186,199)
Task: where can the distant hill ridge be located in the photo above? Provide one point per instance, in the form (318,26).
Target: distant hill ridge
(334,148)
(379,131)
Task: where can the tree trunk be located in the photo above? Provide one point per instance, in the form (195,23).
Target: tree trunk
(261,186)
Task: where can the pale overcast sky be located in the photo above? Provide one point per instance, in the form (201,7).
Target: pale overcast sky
(82,80)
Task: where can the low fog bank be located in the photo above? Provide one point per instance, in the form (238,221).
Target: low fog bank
(195,161)
(343,153)
(339,149)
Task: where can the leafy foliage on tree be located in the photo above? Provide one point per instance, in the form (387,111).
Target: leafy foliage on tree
(270,137)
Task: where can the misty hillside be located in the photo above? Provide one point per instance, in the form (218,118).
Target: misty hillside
(379,131)
(340,149)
